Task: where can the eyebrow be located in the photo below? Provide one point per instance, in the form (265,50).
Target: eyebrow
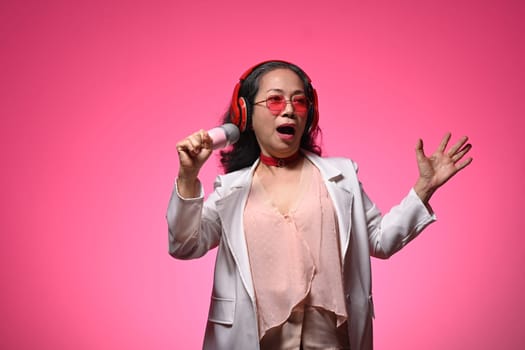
(282,91)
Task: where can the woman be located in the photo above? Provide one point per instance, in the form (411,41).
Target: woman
(294,231)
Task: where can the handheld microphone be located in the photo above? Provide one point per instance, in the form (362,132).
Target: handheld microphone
(224,135)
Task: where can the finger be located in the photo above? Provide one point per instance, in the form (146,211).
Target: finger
(206,140)
(184,146)
(463,164)
(444,142)
(420,152)
(457,146)
(190,146)
(196,141)
(461,153)
(185,157)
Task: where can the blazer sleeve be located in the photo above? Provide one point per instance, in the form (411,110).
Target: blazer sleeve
(194,226)
(389,233)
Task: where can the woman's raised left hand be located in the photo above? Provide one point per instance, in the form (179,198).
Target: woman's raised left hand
(437,169)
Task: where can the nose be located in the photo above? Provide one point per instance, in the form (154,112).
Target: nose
(288,108)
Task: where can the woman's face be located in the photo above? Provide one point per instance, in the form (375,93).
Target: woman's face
(279,130)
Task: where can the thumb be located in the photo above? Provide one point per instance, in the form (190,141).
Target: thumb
(420,152)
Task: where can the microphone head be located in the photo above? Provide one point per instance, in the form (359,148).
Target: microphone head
(232,132)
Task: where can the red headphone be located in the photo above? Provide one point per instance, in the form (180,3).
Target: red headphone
(239,113)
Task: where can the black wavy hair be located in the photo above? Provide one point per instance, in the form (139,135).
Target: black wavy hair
(246,151)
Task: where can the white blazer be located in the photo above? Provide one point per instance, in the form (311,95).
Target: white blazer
(196,226)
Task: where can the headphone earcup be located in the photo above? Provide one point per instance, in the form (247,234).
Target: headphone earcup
(243,114)
(315,114)
(238,109)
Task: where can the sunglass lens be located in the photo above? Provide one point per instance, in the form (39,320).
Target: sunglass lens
(300,103)
(276,103)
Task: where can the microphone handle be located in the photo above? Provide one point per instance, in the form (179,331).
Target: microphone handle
(218,136)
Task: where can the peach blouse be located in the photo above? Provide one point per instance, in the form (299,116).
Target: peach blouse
(294,257)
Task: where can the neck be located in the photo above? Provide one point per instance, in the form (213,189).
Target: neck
(280,162)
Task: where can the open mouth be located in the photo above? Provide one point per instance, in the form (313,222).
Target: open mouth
(286,129)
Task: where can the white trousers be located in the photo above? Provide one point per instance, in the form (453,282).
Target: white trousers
(309,328)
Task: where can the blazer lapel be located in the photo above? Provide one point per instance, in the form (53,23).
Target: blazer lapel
(231,209)
(341,195)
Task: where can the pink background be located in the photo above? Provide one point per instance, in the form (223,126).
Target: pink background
(94,97)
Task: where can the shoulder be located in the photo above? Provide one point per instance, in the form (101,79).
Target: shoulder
(235,178)
(340,163)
